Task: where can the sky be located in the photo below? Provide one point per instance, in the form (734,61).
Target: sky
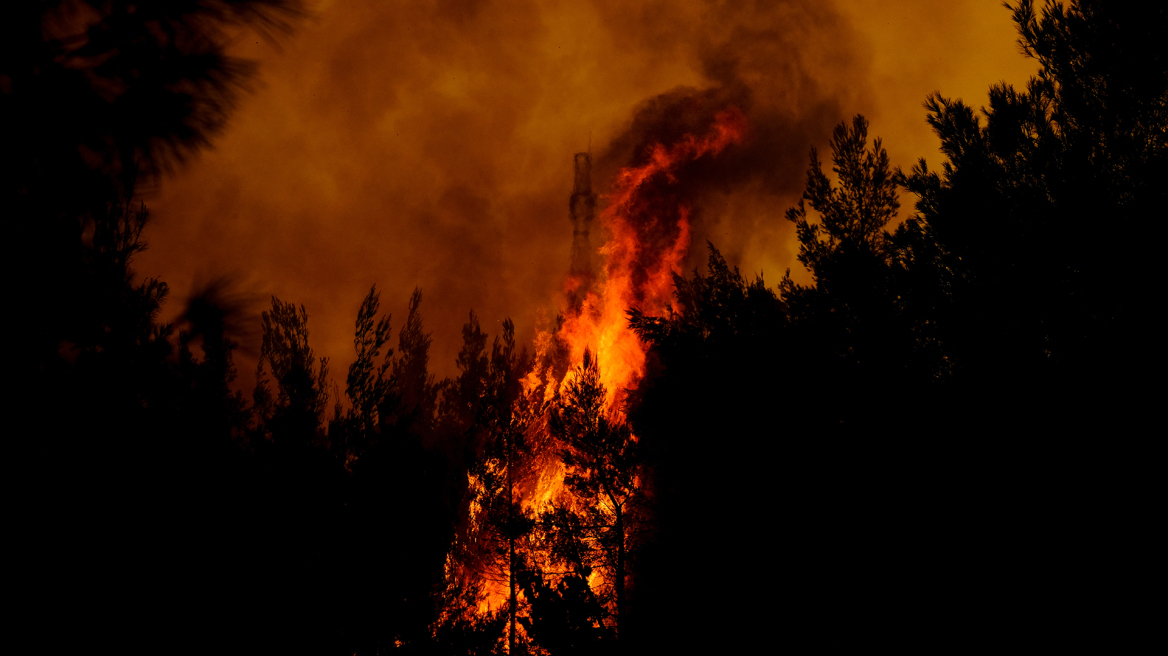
(430,144)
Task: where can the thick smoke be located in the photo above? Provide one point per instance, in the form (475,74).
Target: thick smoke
(430,145)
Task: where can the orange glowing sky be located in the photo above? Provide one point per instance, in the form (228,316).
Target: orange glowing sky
(430,143)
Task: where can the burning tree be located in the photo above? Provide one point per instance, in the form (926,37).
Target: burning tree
(506,413)
(603,467)
(575,466)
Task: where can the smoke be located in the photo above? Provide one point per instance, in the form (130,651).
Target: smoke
(430,144)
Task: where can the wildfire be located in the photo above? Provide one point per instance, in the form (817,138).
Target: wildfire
(647,222)
(649,237)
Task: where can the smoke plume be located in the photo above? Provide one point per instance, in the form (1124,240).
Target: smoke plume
(431,144)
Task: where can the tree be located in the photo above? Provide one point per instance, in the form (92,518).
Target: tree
(997,338)
(99,97)
(852,217)
(412,406)
(1055,291)
(366,384)
(506,414)
(567,618)
(1029,252)
(849,320)
(218,416)
(399,484)
(297,410)
(603,465)
(498,414)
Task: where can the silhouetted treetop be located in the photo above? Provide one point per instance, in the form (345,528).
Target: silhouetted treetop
(366,384)
(116,86)
(414,387)
(853,216)
(1104,71)
(1022,243)
(97,97)
(720,306)
(297,410)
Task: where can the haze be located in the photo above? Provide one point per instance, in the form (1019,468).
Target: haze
(430,144)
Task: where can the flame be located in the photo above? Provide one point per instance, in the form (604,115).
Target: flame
(638,267)
(648,225)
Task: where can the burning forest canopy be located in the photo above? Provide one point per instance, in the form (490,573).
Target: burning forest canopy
(654,452)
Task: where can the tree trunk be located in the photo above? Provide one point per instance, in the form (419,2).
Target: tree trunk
(511,577)
(511,551)
(620,571)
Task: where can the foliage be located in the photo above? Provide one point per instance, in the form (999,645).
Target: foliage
(718,307)
(506,415)
(121,86)
(852,217)
(603,468)
(567,618)
(600,453)
(301,396)
(1057,290)
(938,433)
(366,384)
(412,405)
(1000,329)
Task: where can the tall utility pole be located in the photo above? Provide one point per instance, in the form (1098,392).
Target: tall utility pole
(581,207)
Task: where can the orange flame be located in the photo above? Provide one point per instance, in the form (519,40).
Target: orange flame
(638,272)
(649,237)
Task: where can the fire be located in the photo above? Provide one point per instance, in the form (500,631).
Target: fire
(649,237)
(647,223)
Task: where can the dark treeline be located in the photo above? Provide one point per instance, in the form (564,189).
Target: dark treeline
(940,441)
(943,439)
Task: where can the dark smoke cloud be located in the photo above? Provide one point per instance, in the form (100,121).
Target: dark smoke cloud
(430,144)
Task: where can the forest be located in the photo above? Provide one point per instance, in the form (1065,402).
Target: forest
(942,440)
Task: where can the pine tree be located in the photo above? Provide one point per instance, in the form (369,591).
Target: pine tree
(296,411)
(603,465)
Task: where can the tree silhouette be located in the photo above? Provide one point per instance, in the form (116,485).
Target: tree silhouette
(366,384)
(216,417)
(566,618)
(500,416)
(852,217)
(413,403)
(297,409)
(945,380)
(100,97)
(850,319)
(1050,293)
(1021,257)
(603,467)
(403,488)
(506,414)
(116,87)
(96,98)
